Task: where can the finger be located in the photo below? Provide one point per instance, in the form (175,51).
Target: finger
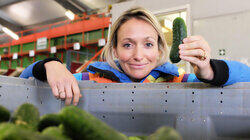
(189,46)
(76,92)
(191,39)
(195,52)
(55,91)
(192,60)
(68,94)
(61,91)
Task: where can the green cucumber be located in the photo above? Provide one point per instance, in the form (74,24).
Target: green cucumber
(27,116)
(4,114)
(165,133)
(55,132)
(179,33)
(10,131)
(80,125)
(48,120)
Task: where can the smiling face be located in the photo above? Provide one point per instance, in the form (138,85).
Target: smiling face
(137,48)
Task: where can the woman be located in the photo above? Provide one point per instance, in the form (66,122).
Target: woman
(137,52)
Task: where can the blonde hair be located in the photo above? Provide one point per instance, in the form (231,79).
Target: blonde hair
(141,14)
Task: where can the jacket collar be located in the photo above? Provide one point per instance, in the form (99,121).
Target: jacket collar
(103,68)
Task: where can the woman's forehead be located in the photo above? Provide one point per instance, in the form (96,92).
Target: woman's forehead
(135,28)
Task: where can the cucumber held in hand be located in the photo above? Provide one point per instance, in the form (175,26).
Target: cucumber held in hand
(179,33)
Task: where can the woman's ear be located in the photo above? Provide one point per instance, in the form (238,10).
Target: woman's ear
(115,52)
(160,55)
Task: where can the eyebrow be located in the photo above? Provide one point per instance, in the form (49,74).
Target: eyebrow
(130,39)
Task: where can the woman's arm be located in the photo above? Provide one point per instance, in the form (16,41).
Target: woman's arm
(62,82)
(225,73)
(217,72)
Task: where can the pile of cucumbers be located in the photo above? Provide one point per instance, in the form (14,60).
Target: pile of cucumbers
(71,123)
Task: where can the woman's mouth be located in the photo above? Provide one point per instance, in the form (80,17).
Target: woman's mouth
(137,66)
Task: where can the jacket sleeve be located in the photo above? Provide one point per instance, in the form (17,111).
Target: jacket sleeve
(37,69)
(28,71)
(238,72)
(225,73)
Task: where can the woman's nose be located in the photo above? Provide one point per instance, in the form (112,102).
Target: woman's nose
(138,53)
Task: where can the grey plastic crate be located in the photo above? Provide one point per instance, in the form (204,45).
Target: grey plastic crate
(197,110)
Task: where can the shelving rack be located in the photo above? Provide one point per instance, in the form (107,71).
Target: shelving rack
(85,30)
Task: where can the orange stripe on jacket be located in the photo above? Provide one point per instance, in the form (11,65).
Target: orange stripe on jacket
(181,74)
(150,79)
(98,79)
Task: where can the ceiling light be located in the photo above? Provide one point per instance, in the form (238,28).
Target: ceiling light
(10,33)
(70,14)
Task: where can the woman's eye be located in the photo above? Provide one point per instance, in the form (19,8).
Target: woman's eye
(149,44)
(127,45)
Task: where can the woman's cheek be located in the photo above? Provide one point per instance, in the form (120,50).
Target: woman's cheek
(124,56)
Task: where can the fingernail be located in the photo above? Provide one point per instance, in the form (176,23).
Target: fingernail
(185,40)
(181,46)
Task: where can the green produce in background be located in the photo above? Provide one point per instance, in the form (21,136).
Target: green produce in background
(5,127)
(27,116)
(48,120)
(71,123)
(165,133)
(133,138)
(54,132)
(79,125)
(10,131)
(4,114)
(179,33)
(142,137)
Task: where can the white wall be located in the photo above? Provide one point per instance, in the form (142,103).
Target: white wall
(223,23)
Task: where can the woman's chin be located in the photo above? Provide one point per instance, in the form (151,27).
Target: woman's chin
(138,77)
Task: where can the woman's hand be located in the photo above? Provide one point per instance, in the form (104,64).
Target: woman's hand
(63,83)
(197,51)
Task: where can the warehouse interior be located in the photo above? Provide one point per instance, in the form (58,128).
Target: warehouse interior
(76,31)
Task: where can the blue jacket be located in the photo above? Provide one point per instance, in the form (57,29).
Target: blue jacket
(238,72)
